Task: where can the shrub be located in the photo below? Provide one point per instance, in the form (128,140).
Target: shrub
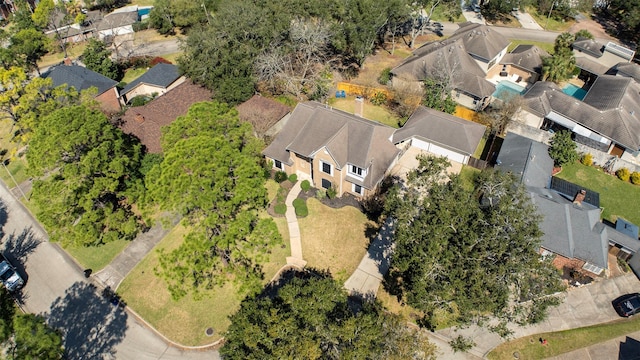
(159,60)
(301,207)
(587,159)
(321,194)
(385,76)
(635,178)
(461,343)
(378,99)
(140,26)
(305,185)
(139,100)
(332,192)
(293,178)
(280,209)
(280,176)
(623,174)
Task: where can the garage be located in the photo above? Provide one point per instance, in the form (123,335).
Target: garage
(439,150)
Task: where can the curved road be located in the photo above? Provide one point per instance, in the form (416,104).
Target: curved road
(57,289)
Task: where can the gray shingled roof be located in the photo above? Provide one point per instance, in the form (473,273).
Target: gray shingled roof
(527,57)
(161,75)
(594,67)
(589,46)
(480,40)
(628,69)
(448,57)
(347,138)
(611,107)
(527,159)
(79,77)
(116,20)
(443,129)
(573,231)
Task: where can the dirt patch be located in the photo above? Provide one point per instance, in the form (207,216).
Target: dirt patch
(594,26)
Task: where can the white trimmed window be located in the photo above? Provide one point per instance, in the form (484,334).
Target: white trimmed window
(277,164)
(326,168)
(326,184)
(356,189)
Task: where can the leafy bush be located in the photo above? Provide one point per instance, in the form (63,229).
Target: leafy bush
(623,174)
(385,76)
(280,176)
(280,209)
(305,185)
(321,194)
(635,178)
(140,26)
(378,99)
(301,207)
(461,343)
(563,148)
(293,178)
(587,159)
(139,100)
(332,192)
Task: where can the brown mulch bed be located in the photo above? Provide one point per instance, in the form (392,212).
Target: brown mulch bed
(335,203)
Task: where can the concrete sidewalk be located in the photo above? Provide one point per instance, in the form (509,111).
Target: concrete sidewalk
(294,230)
(113,274)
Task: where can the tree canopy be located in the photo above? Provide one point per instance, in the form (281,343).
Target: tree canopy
(211,174)
(88,177)
(470,252)
(97,57)
(310,317)
(563,148)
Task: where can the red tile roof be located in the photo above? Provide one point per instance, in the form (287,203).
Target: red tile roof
(144,122)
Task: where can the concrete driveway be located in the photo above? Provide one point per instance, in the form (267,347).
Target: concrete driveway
(93,328)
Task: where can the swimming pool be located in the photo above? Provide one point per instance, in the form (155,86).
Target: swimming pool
(507,89)
(575,91)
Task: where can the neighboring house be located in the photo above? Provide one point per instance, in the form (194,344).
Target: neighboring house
(333,149)
(607,119)
(440,134)
(571,225)
(157,80)
(336,149)
(8,7)
(462,61)
(82,78)
(144,122)
(116,24)
(595,58)
(267,116)
(524,62)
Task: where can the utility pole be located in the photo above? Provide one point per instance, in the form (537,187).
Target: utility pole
(548,17)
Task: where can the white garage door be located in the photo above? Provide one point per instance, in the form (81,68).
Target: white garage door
(438,150)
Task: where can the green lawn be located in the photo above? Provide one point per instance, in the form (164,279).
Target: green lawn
(73,50)
(615,195)
(97,257)
(562,342)
(549,23)
(132,74)
(371,112)
(468,175)
(548,47)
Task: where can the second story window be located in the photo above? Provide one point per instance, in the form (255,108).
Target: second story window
(326,168)
(357,171)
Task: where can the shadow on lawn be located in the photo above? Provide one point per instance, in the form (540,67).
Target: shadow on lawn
(90,323)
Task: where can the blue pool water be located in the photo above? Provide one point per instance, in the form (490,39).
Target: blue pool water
(575,91)
(507,89)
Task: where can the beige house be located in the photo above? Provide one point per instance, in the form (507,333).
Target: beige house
(335,149)
(155,82)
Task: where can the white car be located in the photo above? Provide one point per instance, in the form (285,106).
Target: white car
(9,276)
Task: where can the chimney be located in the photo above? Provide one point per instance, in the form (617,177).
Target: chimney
(139,118)
(579,198)
(359,108)
(67,61)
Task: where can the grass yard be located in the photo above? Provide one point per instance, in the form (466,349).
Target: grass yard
(96,257)
(132,74)
(333,239)
(548,23)
(468,175)
(73,50)
(142,2)
(371,112)
(173,57)
(615,195)
(564,341)
(17,163)
(548,47)
(151,36)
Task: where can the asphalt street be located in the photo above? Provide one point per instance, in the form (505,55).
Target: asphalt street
(93,327)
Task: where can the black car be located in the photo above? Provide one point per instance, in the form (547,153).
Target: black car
(627,305)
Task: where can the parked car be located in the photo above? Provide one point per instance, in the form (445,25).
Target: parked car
(627,305)
(9,276)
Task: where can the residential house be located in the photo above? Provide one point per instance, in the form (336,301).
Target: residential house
(82,78)
(440,134)
(461,61)
(336,149)
(267,116)
(571,226)
(144,122)
(116,24)
(523,62)
(607,119)
(157,80)
(595,58)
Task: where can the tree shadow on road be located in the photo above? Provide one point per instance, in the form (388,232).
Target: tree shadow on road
(91,325)
(17,249)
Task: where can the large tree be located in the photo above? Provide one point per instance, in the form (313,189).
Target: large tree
(97,57)
(87,177)
(29,45)
(211,174)
(563,149)
(310,317)
(473,253)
